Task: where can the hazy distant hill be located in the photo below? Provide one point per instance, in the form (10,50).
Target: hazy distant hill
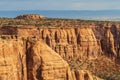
(73,14)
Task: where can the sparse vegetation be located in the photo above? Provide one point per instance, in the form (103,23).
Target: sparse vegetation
(49,22)
(102,67)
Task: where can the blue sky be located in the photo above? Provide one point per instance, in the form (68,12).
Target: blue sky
(59,4)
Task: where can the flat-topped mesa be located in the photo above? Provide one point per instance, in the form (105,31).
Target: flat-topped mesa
(30,16)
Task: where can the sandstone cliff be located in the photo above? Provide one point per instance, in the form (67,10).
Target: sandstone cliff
(73,42)
(32,59)
(109,39)
(12,60)
(68,42)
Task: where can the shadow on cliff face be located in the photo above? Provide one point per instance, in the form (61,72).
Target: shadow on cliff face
(33,63)
(86,77)
(8,31)
(115,30)
(108,40)
(1,78)
(39,73)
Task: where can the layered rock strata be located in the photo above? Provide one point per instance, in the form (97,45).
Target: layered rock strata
(12,60)
(68,42)
(109,39)
(32,59)
(89,42)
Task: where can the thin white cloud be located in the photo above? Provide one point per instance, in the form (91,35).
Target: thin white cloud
(59,5)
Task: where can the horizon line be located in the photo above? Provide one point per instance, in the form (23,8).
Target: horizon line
(63,10)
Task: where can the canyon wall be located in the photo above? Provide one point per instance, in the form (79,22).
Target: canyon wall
(32,59)
(25,55)
(87,42)
(109,37)
(12,60)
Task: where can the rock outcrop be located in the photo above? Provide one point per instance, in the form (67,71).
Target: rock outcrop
(115,30)
(12,60)
(83,75)
(89,42)
(68,42)
(108,43)
(32,59)
(30,16)
(73,42)
(109,39)
(44,64)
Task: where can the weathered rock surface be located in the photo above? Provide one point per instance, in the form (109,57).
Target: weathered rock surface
(12,60)
(33,60)
(84,75)
(44,64)
(115,30)
(109,39)
(74,42)
(68,42)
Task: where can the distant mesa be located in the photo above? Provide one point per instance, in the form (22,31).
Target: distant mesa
(30,16)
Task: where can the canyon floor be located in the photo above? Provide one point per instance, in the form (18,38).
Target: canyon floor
(33,47)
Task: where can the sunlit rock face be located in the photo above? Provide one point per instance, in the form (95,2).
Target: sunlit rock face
(33,60)
(12,60)
(68,42)
(89,42)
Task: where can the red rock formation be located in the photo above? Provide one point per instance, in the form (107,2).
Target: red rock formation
(12,60)
(72,42)
(68,42)
(32,59)
(88,45)
(108,43)
(44,64)
(109,39)
(115,30)
(30,16)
